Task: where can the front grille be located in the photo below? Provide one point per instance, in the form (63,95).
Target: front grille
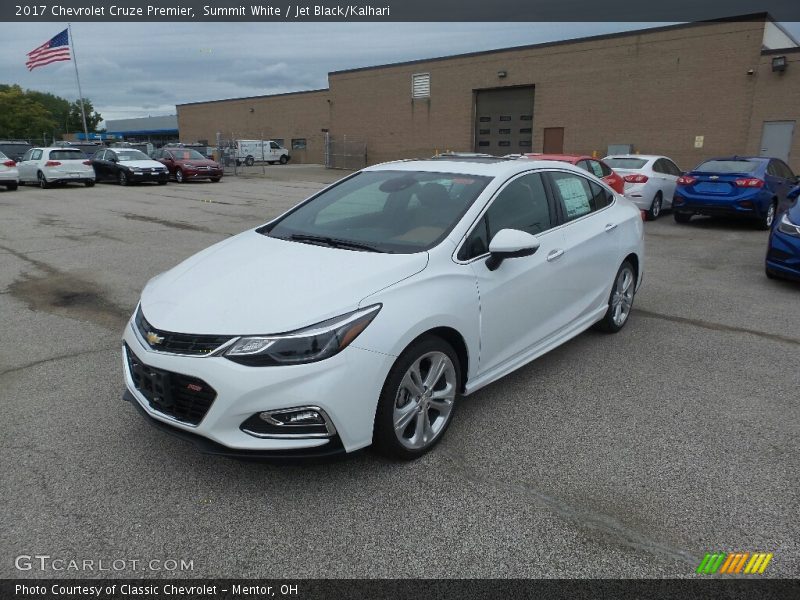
(181,397)
(177,343)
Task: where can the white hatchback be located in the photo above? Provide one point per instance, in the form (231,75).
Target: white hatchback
(650,180)
(49,166)
(362,315)
(9,174)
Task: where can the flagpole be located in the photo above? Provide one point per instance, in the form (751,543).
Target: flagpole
(78,79)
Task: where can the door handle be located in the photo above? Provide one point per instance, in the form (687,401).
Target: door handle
(554,254)
(611,226)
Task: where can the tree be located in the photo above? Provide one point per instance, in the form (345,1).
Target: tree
(93,118)
(22,116)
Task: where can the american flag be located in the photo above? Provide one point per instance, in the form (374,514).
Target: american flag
(51,51)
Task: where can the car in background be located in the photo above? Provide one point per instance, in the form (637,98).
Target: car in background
(14,149)
(783,248)
(750,187)
(9,175)
(596,167)
(187,164)
(55,165)
(128,165)
(650,180)
(361,315)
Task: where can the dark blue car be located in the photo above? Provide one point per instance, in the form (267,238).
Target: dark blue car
(783,250)
(753,187)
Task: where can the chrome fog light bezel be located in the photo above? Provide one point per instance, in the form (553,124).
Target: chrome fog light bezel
(290,431)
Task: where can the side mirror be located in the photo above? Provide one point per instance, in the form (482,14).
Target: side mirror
(510,243)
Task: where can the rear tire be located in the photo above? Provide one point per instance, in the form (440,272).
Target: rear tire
(12,186)
(249,161)
(42,180)
(770,274)
(162,183)
(215,179)
(620,302)
(88,183)
(765,222)
(418,399)
(682,217)
(655,207)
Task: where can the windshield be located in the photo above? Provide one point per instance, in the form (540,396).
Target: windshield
(125,155)
(728,166)
(67,155)
(187,155)
(383,211)
(625,163)
(3,156)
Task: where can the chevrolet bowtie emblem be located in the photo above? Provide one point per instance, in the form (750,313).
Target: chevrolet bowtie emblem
(153,338)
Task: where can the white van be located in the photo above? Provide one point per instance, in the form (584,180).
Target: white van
(250,151)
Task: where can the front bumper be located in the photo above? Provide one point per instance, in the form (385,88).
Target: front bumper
(345,386)
(783,255)
(202,174)
(145,176)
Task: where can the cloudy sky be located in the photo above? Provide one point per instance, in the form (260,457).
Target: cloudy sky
(141,69)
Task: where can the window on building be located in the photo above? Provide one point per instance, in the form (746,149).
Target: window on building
(505,117)
(526,130)
(421,85)
(525,144)
(484,132)
(485,119)
(526,118)
(504,132)
(299,144)
(503,143)
(483,143)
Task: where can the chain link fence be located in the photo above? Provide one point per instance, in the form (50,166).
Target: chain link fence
(345,153)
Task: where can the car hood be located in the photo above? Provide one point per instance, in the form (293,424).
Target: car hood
(254,284)
(196,162)
(142,164)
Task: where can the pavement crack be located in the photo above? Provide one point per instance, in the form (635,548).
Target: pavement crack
(54,359)
(717,326)
(596,522)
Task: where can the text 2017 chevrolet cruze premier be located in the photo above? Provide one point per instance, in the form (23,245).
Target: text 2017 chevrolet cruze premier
(362,315)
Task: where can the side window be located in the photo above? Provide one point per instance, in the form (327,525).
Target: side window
(772,169)
(274,146)
(27,155)
(575,194)
(582,164)
(601,197)
(672,168)
(596,169)
(36,155)
(659,167)
(522,205)
(785,170)
(606,170)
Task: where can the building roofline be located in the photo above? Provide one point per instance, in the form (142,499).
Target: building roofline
(758,16)
(256,97)
(782,28)
(793,50)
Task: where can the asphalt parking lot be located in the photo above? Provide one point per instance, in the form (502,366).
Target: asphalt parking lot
(613,456)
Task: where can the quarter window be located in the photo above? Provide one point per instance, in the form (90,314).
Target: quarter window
(595,169)
(36,155)
(27,155)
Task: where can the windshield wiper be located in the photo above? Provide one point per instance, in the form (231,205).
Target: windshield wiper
(332,242)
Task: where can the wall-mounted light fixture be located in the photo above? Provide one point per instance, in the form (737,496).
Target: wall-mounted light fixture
(751,71)
(252,109)
(502,74)
(779,63)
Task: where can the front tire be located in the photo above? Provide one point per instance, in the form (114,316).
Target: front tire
(215,179)
(89,183)
(284,160)
(655,207)
(249,161)
(620,302)
(765,222)
(179,176)
(419,396)
(122,178)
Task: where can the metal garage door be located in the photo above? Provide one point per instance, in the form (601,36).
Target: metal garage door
(504,121)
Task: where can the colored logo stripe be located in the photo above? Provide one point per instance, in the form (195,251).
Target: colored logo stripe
(734,563)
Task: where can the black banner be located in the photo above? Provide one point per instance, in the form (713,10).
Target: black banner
(393,10)
(407,589)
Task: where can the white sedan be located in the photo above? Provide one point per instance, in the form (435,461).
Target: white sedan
(650,180)
(48,166)
(363,314)
(9,174)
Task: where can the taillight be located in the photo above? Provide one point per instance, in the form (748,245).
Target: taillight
(636,178)
(643,214)
(9,163)
(750,182)
(686,180)
(87,162)
(52,163)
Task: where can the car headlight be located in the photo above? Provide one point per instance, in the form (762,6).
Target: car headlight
(306,345)
(787,227)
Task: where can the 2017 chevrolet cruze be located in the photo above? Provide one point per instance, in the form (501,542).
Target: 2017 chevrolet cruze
(363,314)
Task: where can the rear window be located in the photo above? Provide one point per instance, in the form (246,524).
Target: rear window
(3,156)
(728,166)
(626,163)
(66,155)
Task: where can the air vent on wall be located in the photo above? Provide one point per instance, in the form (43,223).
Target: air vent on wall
(421,85)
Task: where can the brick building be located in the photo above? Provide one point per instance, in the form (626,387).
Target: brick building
(688,91)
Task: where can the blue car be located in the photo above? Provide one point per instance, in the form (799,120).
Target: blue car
(783,250)
(753,187)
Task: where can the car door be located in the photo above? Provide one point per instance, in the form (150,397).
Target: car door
(98,162)
(24,166)
(591,243)
(785,180)
(520,301)
(671,174)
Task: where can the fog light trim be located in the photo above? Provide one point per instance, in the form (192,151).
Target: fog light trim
(278,424)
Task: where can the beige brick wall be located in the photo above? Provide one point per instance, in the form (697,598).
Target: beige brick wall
(656,90)
(287,117)
(777,98)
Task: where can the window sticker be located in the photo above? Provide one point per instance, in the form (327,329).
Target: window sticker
(574,195)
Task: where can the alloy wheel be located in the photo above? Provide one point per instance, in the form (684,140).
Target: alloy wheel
(424,400)
(622,297)
(179,176)
(770,217)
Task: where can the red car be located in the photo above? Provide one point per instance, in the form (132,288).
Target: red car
(587,163)
(185,164)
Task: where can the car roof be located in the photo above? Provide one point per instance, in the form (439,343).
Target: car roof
(642,156)
(759,158)
(570,158)
(479,167)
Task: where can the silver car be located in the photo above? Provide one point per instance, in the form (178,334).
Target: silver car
(650,180)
